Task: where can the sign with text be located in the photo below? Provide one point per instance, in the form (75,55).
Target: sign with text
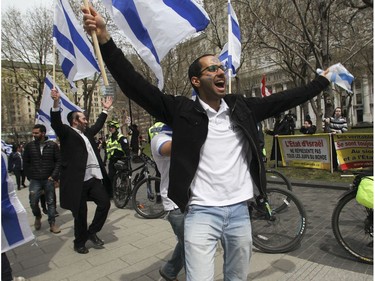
(354,151)
(309,151)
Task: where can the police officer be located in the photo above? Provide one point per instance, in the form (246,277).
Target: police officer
(117,147)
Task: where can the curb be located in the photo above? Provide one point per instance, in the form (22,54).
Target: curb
(318,184)
(315,184)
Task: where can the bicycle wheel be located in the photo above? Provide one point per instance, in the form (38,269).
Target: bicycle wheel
(121,189)
(145,199)
(284,229)
(352,225)
(277,179)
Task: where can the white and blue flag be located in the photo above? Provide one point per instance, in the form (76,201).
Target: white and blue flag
(339,76)
(230,55)
(43,115)
(6,148)
(15,227)
(154,27)
(76,53)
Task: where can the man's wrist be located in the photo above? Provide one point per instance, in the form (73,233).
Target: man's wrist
(104,37)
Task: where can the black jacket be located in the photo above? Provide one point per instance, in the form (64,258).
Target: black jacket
(38,166)
(15,162)
(74,158)
(189,121)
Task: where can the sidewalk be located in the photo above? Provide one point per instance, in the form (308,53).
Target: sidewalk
(135,248)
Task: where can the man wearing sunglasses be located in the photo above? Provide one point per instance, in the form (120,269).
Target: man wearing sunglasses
(216,162)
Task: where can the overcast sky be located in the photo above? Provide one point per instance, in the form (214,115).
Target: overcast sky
(24,5)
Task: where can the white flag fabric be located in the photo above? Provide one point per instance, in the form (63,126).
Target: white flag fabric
(230,55)
(154,27)
(6,148)
(340,76)
(43,115)
(15,227)
(76,53)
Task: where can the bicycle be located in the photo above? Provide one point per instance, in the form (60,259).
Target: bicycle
(278,221)
(277,178)
(352,223)
(144,189)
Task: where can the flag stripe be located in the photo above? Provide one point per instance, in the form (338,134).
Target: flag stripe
(63,40)
(130,13)
(154,27)
(76,53)
(79,42)
(9,219)
(231,53)
(235,25)
(65,102)
(43,116)
(189,11)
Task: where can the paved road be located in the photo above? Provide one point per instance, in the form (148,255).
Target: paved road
(135,249)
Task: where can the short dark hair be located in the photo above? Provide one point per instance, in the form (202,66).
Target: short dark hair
(15,146)
(195,69)
(41,127)
(308,121)
(72,115)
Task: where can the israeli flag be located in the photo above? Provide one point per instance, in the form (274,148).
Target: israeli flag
(339,76)
(6,148)
(154,27)
(15,228)
(43,115)
(76,54)
(230,55)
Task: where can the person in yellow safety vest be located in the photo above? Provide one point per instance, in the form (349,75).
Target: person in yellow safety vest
(155,129)
(117,147)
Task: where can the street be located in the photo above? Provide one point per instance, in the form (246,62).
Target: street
(135,249)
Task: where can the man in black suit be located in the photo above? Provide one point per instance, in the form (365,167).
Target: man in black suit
(83,175)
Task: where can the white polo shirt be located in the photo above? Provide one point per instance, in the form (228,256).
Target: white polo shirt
(223,175)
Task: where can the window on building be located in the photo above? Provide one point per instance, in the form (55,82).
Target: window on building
(358,98)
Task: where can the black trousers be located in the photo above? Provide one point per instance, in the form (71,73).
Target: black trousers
(20,177)
(6,270)
(93,190)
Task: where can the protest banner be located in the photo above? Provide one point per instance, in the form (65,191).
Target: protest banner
(354,151)
(308,151)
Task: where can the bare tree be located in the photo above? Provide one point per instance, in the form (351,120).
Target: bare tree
(308,35)
(28,43)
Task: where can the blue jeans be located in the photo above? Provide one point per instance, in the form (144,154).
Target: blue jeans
(177,261)
(35,190)
(204,226)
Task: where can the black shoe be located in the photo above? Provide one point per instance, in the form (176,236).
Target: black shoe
(162,274)
(96,240)
(81,250)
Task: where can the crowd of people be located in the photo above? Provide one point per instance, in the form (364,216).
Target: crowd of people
(214,166)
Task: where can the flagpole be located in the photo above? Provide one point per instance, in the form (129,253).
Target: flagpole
(229,51)
(54,53)
(97,50)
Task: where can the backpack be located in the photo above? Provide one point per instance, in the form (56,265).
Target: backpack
(365,192)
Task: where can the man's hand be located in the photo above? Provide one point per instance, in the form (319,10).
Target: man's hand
(55,95)
(107,102)
(93,21)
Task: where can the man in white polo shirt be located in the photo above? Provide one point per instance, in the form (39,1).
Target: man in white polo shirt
(216,161)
